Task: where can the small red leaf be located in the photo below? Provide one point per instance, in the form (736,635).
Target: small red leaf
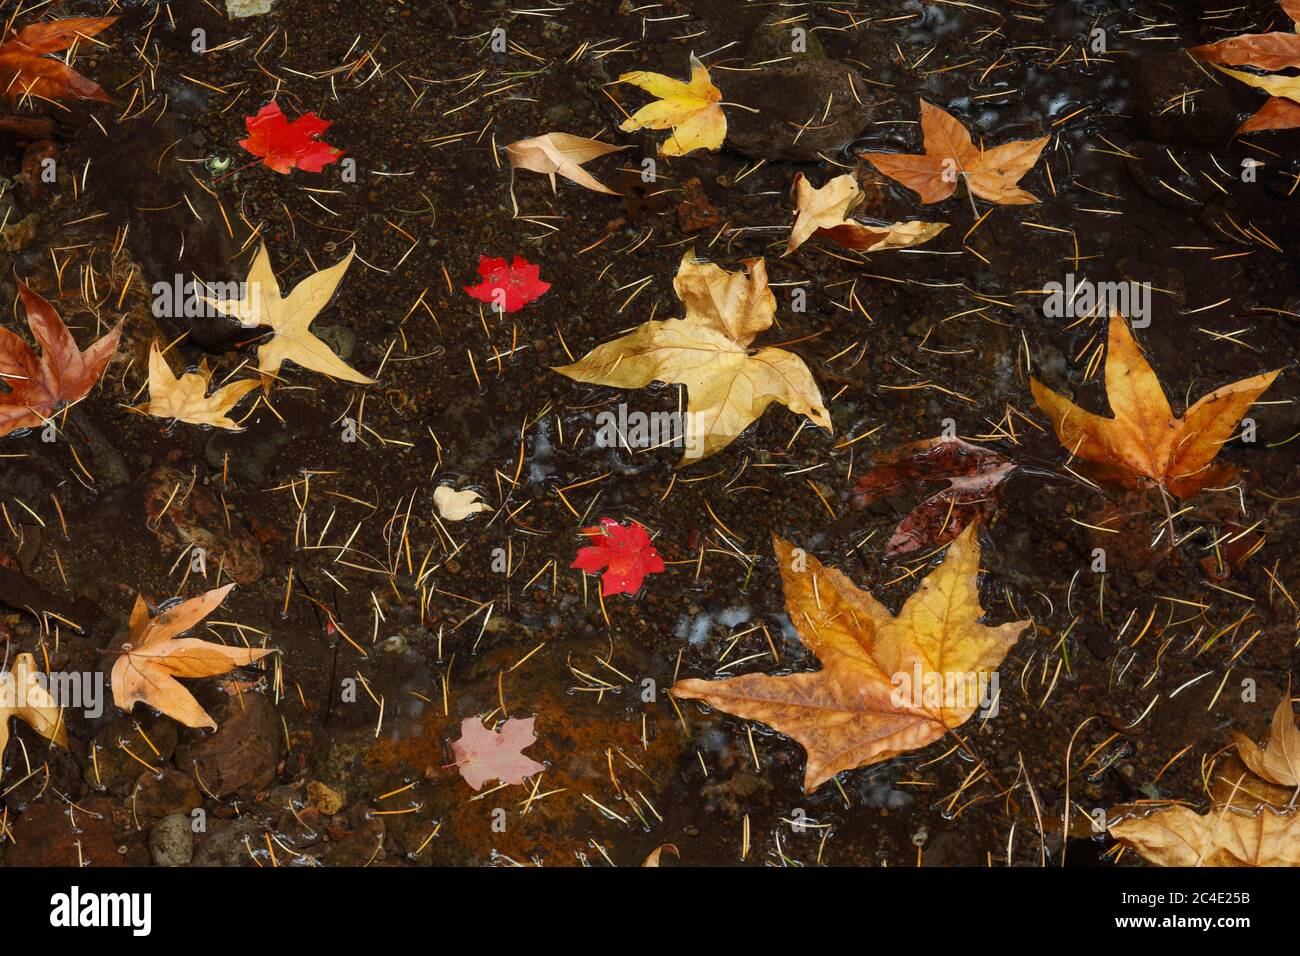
(483,754)
(510,286)
(284,146)
(623,551)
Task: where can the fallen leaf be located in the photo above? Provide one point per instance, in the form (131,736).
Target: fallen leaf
(728,386)
(950,154)
(25,70)
(1177,836)
(508,287)
(154,657)
(483,754)
(24,695)
(289,318)
(1292,9)
(1277,113)
(657,853)
(823,212)
(1144,438)
(1279,761)
(974,477)
(285,146)
(1266,51)
(1233,785)
(63,373)
(692,110)
(458,505)
(623,551)
(561,153)
(186,399)
(867,704)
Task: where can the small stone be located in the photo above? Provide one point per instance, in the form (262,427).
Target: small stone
(323,799)
(171,843)
(164,794)
(243,752)
(238,9)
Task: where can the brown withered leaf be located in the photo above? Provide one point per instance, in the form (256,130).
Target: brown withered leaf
(1233,785)
(561,153)
(873,698)
(63,373)
(1177,836)
(1144,438)
(1278,112)
(186,399)
(951,155)
(26,71)
(154,657)
(1279,761)
(25,696)
(824,212)
(728,385)
(974,477)
(1266,51)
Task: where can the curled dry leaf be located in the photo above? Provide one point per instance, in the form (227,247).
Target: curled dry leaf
(24,695)
(1279,761)
(154,656)
(63,373)
(824,212)
(1144,438)
(974,477)
(874,697)
(289,318)
(1177,836)
(656,854)
(482,754)
(456,505)
(186,399)
(561,153)
(728,386)
(693,110)
(26,71)
(950,155)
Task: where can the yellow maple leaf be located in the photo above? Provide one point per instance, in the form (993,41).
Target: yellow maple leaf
(1177,836)
(186,399)
(289,318)
(1279,761)
(874,697)
(693,110)
(824,212)
(25,696)
(154,657)
(728,386)
(1144,438)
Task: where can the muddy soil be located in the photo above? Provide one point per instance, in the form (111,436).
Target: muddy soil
(392,629)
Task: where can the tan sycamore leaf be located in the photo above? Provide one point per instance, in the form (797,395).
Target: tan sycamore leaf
(1144,438)
(186,399)
(1279,761)
(1177,836)
(24,695)
(824,212)
(950,155)
(458,505)
(289,318)
(561,153)
(693,110)
(728,386)
(872,699)
(154,657)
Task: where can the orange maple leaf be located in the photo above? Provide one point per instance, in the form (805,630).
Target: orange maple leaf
(1144,438)
(25,70)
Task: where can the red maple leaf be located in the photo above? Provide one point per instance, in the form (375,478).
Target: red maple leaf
(483,754)
(509,286)
(25,70)
(284,146)
(624,551)
(64,373)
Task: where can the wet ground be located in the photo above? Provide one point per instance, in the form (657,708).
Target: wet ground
(342,567)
